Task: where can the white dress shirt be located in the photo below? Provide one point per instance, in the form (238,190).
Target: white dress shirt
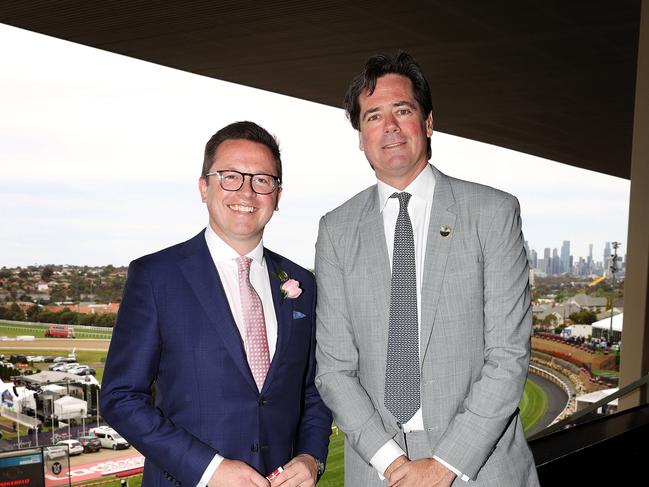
(225,260)
(419,210)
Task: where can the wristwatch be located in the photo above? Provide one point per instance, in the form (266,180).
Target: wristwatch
(321,467)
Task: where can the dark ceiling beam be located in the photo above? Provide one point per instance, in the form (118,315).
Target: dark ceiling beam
(549,78)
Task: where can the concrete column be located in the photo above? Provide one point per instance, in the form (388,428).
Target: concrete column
(635,337)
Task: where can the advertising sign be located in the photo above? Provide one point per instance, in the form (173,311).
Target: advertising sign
(22,468)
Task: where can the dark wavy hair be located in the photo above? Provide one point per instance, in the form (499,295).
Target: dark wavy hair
(379,65)
(242,131)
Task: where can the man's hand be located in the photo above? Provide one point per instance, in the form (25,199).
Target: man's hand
(302,471)
(426,472)
(394,465)
(233,473)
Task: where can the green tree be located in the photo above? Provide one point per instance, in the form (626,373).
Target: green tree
(68,317)
(15,313)
(33,312)
(106,319)
(47,273)
(47,316)
(549,320)
(585,317)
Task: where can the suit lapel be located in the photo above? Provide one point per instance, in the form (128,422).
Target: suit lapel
(202,276)
(378,278)
(284,315)
(437,250)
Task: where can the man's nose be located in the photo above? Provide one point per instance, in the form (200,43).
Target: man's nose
(246,187)
(391,124)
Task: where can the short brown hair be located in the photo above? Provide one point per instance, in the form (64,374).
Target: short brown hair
(242,131)
(379,65)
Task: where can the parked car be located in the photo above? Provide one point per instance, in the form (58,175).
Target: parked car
(74,447)
(35,358)
(48,358)
(88,371)
(109,438)
(90,444)
(62,366)
(54,452)
(59,331)
(81,370)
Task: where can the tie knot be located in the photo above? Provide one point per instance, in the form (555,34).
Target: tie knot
(403,198)
(243,262)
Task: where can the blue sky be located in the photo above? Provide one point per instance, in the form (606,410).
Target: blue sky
(100,156)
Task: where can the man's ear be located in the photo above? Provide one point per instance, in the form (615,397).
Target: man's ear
(429,125)
(279,195)
(202,188)
(360,142)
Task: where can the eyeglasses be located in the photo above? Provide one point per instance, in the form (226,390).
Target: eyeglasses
(233,181)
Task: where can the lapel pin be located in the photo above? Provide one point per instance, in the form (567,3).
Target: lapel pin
(444,230)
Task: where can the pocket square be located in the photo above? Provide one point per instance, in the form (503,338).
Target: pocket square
(298,314)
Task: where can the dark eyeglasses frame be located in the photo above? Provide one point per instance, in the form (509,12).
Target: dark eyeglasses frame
(278,182)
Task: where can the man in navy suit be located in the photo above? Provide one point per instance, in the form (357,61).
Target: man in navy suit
(211,365)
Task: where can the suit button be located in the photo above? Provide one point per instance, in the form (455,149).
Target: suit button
(177,483)
(254,447)
(262,401)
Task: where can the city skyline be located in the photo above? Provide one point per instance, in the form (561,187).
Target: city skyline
(100,156)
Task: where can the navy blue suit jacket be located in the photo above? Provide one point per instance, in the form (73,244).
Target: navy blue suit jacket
(175,331)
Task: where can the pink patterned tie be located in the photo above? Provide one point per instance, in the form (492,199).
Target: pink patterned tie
(254,324)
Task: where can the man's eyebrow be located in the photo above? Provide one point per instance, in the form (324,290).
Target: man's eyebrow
(370,111)
(404,103)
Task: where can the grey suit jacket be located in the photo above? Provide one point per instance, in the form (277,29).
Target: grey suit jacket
(475,329)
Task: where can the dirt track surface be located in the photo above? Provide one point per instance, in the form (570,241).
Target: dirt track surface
(57,344)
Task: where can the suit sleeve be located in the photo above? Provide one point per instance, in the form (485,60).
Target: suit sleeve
(126,398)
(315,425)
(492,401)
(337,356)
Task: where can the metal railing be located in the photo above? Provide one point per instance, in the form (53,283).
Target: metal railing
(574,418)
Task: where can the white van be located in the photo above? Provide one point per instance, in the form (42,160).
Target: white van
(109,438)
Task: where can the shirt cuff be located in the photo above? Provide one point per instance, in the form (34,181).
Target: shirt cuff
(384,457)
(464,478)
(209,471)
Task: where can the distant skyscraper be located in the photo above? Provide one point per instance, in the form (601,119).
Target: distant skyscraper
(565,256)
(607,259)
(556,262)
(547,261)
(534,259)
(590,254)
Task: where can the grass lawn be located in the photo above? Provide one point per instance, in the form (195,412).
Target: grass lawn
(14,329)
(606,373)
(533,405)
(333,476)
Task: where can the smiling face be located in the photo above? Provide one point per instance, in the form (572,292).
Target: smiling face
(239,217)
(393,131)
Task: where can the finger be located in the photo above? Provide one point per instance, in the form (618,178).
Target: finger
(398,474)
(284,478)
(259,481)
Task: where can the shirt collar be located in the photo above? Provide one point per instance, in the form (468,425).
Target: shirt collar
(423,187)
(221,251)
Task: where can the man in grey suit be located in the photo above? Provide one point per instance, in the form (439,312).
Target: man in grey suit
(423,315)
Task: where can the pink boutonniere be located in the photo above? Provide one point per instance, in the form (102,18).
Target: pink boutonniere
(290,288)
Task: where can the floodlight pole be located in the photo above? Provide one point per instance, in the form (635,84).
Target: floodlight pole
(613,269)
